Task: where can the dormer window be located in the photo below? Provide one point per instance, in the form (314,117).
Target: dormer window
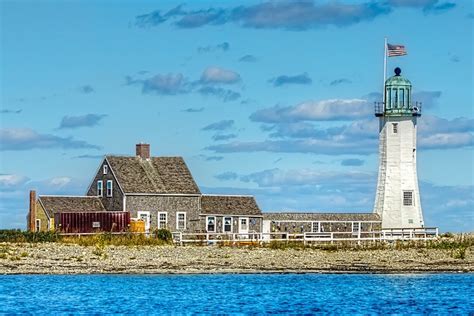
(105,169)
(109,188)
(100,188)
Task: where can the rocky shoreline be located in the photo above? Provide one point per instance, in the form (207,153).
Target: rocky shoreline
(60,258)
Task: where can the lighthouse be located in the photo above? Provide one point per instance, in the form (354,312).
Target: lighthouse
(397,199)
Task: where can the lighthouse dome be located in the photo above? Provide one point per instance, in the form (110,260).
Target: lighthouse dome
(398,80)
(398,95)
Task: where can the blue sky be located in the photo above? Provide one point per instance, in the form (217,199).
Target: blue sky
(267,98)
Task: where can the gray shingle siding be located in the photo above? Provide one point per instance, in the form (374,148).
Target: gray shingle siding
(114,203)
(169,204)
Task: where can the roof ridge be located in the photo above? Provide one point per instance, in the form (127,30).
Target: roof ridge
(152,174)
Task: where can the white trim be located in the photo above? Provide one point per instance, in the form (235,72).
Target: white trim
(358,227)
(111,188)
(110,169)
(124,202)
(37,224)
(177,220)
(44,208)
(241,231)
(113,174)
(159,220)
(319,227)
(231,224)
(95,174)
(207,224)
(101,188)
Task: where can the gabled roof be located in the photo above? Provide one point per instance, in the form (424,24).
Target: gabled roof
(314,216)
(165,175)
(229,205)
(64,204)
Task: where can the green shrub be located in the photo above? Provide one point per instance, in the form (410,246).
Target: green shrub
(163,234)
(16,235)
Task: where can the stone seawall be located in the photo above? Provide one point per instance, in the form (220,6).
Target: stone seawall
(58,258)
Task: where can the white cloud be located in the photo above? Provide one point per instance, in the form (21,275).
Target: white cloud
(26,138)
(219,75)
(11,181)
(324,110)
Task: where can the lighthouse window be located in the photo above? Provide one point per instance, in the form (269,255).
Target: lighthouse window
(407,198)
(395,128)
(402,97)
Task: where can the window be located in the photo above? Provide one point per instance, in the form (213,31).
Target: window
(109,188)
(227,224)
(402,97)
(37,225)
(100,190)
(395,128)
(407,198)
(105,169)
(181,220)
(162,219)
(410,221)
(355,227)
(211,224)
(315,228)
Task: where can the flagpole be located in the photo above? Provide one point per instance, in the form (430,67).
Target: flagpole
(384,71)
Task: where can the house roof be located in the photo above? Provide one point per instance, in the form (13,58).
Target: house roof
(165,175)
(71,204)
(229,205)
(314,216)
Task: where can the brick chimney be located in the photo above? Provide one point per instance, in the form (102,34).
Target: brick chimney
(143,150)
(32,212)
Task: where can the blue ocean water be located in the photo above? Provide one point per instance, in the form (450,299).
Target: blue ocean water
(340,294)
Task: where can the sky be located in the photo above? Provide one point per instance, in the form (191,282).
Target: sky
(273,99)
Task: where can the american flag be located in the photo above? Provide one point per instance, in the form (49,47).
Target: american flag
(396,50)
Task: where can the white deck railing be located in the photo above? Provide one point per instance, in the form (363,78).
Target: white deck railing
(425,233)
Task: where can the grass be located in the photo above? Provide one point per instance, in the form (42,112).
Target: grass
(16,235)
(158,237)
(458,245)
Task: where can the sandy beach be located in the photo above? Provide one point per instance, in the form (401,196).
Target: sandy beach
(59,258)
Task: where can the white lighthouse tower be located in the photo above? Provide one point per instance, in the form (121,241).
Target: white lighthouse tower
(397,199)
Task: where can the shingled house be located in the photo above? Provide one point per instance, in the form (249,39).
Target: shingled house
(158,190)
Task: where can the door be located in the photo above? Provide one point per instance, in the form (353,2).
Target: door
(145,216)
(266,230)
(243,226)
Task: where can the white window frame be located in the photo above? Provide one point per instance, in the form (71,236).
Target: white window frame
(207,224)
(231,224)
(100,188)
(37,225)
(316,224)
(105,169)
(177,220)
(111,188)
(159,220)
(354,225)
(406,199)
